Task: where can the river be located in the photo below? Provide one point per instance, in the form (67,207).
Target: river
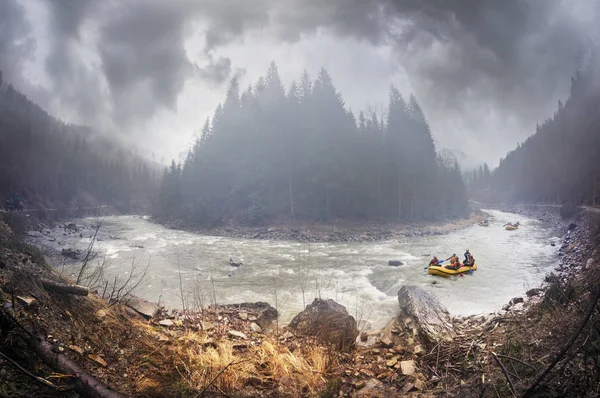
(357,275)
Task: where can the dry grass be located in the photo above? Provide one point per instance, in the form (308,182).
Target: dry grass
(224,367)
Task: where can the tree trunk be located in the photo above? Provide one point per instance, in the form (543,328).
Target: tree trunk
(379,213)
(399,190)
(594,193)
(64,288)
(291,188)
(85,384)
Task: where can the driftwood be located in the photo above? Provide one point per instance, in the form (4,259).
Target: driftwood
(84,383)
(64,288)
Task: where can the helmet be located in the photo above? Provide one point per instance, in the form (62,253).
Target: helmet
(454,254)
(467,249)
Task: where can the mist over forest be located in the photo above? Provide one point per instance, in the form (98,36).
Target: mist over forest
(272,153)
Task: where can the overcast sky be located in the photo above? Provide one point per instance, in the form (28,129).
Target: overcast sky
(151,71)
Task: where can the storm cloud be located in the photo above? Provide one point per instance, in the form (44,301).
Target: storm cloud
(484,70)
(17,45)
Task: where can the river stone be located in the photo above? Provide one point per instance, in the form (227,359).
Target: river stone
(589,263)
(144,307)
(534,292)
(515,300)
(408,368)
(235,261)
(328,321)
(235,333)
(395,263)
(425,314)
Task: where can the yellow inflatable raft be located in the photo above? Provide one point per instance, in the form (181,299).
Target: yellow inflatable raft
(511,227)
(442,271)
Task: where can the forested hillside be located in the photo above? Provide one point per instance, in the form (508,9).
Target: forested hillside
(561,161)
(271,153)
(49,163)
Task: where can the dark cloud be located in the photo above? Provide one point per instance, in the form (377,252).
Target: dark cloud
(75,85)
(141,48)
(216,70)
(143,58)
(17,44)
(468,61)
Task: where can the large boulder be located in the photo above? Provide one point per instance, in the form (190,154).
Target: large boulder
(328,321)
(424,315)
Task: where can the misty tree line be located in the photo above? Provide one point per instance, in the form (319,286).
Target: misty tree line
(561,161)
(272,153)
(479,179)
(49,163)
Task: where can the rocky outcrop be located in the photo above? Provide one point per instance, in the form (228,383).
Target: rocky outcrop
(395,263)
(423,315)
(328,321)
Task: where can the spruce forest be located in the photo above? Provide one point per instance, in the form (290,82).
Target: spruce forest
(271,153)
(49,163)
(561,161)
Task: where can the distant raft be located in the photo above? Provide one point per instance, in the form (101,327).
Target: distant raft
(484,223)
(442,271)
(511,227)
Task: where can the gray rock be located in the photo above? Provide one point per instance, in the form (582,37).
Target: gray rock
(71,253)
(260,312)
(425,314)
(328,321)
(255,327)
(166,322)
(235,261)
(144,307)
(408,368)
(235,333)
(419,350)
(395,263)
(515,300)
(534,292)
(589,263)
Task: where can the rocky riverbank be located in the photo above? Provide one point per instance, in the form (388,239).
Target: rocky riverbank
(335,231)
(241,350)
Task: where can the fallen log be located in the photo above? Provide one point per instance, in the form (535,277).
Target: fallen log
(64,288)
(83,383)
